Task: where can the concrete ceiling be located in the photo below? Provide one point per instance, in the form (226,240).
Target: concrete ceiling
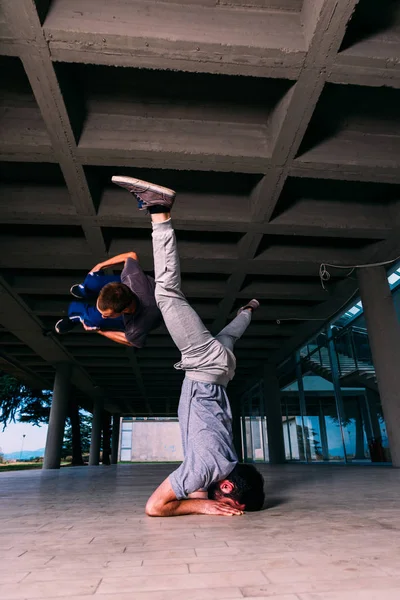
(277,121)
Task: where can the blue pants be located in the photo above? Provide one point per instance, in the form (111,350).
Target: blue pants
(94,282)
(82,311)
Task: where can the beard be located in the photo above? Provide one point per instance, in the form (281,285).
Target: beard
(213,491)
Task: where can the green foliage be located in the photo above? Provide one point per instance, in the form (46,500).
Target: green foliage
(22,403)
(86,431)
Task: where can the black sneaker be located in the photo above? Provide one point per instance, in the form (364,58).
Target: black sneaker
(147,194)
(78,290)
(65,325)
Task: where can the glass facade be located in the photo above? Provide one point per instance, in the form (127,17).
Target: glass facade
(126,440)
(330,403)
(339,416)
(254,426)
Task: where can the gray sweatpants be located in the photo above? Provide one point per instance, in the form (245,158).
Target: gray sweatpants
(204,357)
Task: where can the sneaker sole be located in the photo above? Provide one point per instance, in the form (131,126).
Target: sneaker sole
(122,181)
(56,328)
(72,293)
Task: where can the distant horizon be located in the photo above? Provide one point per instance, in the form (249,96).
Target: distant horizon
(11,439)
(25,454)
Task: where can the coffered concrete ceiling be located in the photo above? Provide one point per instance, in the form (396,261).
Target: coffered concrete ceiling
(278,123)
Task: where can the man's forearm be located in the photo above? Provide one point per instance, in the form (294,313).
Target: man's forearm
(116,336)
(175,508)
(115,260)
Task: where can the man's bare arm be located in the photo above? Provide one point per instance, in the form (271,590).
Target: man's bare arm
(115,260)
(116,336)
(163,503)
(199,494)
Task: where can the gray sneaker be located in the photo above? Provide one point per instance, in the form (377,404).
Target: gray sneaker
(147,194)
(253,304)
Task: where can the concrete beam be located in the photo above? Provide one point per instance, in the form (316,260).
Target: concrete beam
(23,17)
(23,374)
(371,61)
(180,36)
(51,205)
(353,150)
(344,172)
(246,250)
(324,25)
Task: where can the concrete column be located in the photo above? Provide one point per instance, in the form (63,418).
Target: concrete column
(58,413)
(95,441)
(384,337)
(115,439)
(272,406)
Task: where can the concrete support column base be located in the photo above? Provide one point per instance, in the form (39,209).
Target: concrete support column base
(384,337)
(58,413)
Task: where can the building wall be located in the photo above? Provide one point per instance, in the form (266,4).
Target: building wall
(153,441)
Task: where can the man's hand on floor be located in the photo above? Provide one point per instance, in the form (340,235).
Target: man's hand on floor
(223,509)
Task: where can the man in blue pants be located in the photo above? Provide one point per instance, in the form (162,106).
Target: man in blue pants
(83,311)
(125,308)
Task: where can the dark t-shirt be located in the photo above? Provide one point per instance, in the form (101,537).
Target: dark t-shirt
(147,315)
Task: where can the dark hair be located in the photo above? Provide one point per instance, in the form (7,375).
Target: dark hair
(116,297)
(249,487)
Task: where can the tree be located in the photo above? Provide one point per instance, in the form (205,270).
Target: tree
(22,403)
(86,430)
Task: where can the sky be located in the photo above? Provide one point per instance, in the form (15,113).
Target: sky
(11,437)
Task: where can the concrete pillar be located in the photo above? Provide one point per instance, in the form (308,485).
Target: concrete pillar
(384,337)
(95,441)
(115,439)
(272,406)
(58,413)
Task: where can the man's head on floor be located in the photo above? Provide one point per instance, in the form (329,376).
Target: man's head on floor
(244,485)
(116,299)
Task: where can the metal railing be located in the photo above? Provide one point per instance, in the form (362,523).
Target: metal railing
(351,347)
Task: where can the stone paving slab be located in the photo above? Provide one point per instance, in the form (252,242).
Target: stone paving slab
(330,533)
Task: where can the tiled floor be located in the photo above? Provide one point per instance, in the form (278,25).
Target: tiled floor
(330,533)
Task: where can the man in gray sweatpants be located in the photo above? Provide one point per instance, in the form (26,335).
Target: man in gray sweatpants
(210,480)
